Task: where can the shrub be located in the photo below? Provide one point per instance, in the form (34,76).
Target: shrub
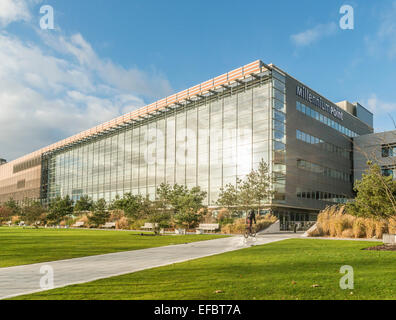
(122,224)
(358,228)
(332,227)
(84,219)
(347,233)
(324,222)
(137,224)
(381,227)
(239,225)
(15,220)
(223,214)
(116,215)
(392,226)
(370,227)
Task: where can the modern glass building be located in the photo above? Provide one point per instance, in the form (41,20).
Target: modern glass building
(208,136)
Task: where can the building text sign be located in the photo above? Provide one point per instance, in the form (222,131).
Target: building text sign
(319,102)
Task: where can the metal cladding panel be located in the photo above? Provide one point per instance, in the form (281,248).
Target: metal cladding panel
(254,67)
(171,99)
(194,90)
(207,85)
(182,95)
(221,80)
(152,107)
(233,75)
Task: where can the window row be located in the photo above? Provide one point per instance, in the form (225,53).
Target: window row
(321,196)
(323,145)
(324,171)
(325,120)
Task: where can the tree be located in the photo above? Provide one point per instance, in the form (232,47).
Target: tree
(252,191)
(100,213)
(33,213)
(85,203)
(184,203)
(188,217)
(60,208)
(375,196)
(5,214)
(159,216)
(13,206)
(246,195)
(260,183)
(228,198)
(134,206)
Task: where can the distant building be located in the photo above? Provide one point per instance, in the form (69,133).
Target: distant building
(379,148)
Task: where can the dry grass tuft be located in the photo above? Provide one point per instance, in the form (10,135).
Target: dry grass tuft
(370,227)
(359,230)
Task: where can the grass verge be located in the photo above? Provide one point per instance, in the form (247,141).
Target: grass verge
(26,246)
(290,269)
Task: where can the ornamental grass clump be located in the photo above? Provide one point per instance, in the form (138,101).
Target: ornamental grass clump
(392,225)
(381,227)
(370,227)
(358,228)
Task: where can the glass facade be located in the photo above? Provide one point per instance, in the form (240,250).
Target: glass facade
(208,142)
(279,137)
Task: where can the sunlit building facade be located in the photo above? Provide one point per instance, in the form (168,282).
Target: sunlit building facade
(208,136)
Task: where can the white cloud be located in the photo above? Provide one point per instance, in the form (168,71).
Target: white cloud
(59,86)
(378,106)
(314,34)
(15,10)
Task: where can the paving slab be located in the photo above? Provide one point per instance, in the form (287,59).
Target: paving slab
(26,279)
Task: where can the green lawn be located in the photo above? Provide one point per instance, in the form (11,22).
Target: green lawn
(282,270)
(26,246)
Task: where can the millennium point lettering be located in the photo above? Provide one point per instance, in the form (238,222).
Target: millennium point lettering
(319,102)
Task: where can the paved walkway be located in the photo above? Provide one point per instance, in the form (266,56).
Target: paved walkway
(15,281)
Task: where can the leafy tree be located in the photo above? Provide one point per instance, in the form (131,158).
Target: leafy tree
(85,203)
(260,183)
(376,195)
(60,208)
(159,216)
(252,191)
(184,203)
(228,198)
(188,218)
(5,214)
(246,195)
(134,206)
(13,206)
(33,213)
(100,213)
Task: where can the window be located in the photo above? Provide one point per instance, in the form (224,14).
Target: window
(319,117)
(388,151)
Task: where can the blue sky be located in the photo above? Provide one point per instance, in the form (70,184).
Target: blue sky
(105,58)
